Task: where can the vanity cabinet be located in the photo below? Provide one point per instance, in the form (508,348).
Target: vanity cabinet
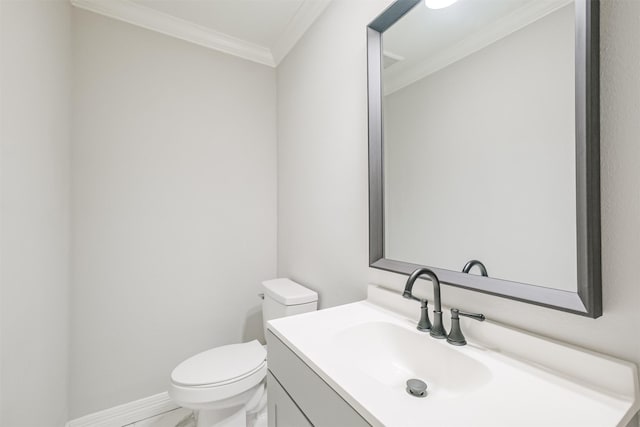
(298,397)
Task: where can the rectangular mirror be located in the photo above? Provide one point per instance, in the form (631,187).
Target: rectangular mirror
(484,145)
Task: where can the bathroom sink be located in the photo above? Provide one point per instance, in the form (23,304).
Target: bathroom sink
(392,354)
(503,377)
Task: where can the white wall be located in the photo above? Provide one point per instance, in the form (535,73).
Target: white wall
(479,160)
(322,182)
(174,206)
(322,154)
(34,274)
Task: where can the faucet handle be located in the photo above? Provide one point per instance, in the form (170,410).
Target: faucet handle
(455,336)
(424,324)
(475,316)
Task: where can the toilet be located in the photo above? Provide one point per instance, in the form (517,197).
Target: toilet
(226,385)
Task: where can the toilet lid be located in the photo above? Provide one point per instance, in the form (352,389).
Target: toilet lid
(220,364)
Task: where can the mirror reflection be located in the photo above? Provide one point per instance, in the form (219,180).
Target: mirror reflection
(479,139)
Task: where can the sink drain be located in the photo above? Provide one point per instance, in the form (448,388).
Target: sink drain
(416,387)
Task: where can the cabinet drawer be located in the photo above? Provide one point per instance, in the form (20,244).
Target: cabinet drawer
(321,405)
(283,411)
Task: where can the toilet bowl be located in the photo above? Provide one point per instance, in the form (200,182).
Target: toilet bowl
(226,385)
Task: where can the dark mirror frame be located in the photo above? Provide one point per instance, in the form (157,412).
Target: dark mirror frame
(587,301)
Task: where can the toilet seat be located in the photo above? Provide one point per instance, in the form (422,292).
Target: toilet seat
(221,373)
(220,365)
(255,372)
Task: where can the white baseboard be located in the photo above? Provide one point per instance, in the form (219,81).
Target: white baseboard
(127,413)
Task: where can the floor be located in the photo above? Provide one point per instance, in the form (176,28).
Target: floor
(177,418)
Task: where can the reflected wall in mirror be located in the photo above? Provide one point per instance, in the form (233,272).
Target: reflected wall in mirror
(486,112)
(482,100)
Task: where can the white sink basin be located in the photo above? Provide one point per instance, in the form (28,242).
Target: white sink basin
(366,351)
(392,354)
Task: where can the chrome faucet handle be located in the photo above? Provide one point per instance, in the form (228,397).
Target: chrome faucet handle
(455,336)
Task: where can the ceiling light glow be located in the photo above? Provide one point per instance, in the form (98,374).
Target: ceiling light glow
(439,4)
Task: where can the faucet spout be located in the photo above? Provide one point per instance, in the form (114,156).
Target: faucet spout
(437,329)
(468,266)
(434,279)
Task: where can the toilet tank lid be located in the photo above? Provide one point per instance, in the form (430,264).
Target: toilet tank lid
(288,292)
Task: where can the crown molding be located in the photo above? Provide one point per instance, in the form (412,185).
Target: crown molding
(151,19)
(305,16)
(405,74)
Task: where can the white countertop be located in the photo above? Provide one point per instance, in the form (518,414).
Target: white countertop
(515,378)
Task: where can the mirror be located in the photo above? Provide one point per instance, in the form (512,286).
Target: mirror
(483,145)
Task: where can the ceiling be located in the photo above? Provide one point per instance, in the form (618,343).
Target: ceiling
(262,31)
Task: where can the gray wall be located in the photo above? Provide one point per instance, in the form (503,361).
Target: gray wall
(34,223)
(174,206)
(322,181)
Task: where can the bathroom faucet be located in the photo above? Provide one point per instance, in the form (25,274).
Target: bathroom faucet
(437,329)
(468,266)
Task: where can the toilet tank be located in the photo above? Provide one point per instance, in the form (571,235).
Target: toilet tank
(284,297)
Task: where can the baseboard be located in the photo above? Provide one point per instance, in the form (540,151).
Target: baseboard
(127,413)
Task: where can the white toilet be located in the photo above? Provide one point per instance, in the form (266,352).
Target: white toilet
(226,385)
